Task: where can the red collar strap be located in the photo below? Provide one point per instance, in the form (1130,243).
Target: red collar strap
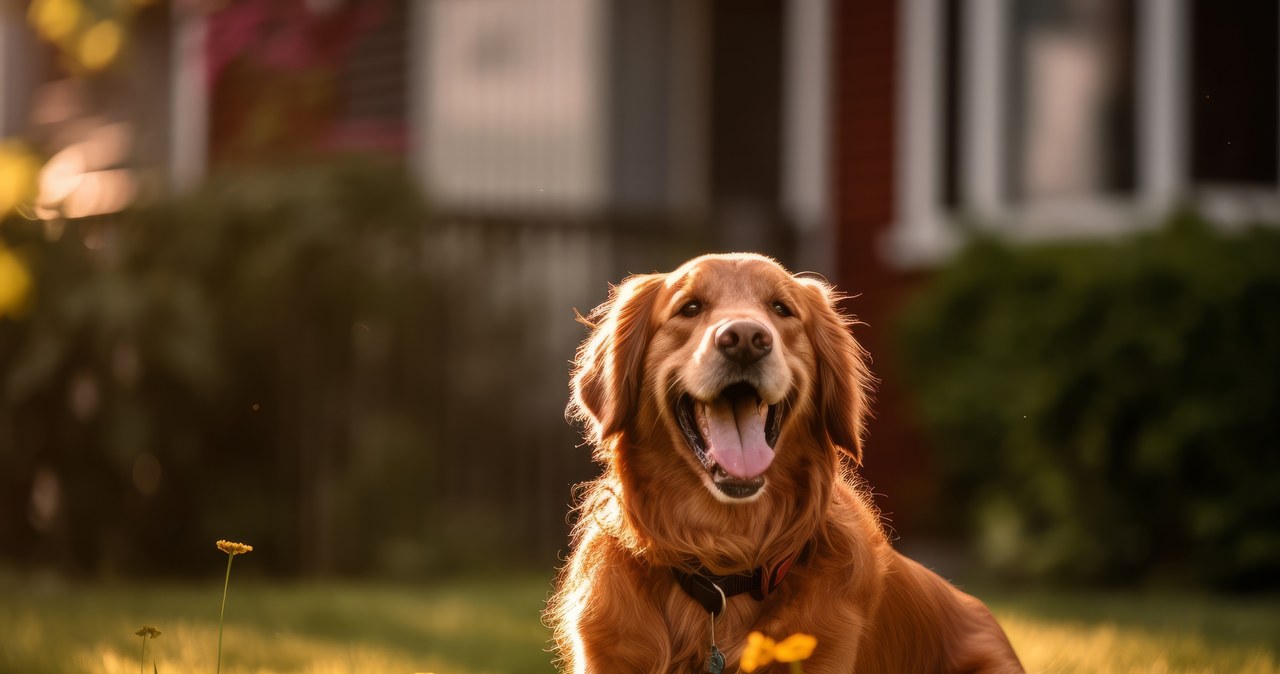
(713,591)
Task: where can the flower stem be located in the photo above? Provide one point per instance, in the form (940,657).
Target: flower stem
(223,612)
(143,660)
(795,667)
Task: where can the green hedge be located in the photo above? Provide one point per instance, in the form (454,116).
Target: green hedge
(1109,411)
(245,362)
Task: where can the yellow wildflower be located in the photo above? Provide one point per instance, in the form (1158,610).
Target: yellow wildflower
(762,650)
(759,652)
(148,631)
(233,549)
(795,648)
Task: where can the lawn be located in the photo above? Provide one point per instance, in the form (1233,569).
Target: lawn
(492,625)
(455,628)
(1151,633)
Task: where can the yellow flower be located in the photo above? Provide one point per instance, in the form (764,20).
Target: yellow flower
(100,44)
(795,648)
(148,631)
(233,549)
(762,650)
(759,652)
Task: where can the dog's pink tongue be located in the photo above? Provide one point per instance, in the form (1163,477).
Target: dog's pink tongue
(734,429)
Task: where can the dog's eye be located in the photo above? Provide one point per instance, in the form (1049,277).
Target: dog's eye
(780,309)
(691,309)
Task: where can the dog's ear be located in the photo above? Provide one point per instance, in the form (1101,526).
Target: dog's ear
(607,371)
(843,385)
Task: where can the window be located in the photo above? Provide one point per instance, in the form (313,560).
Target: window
(1071,99)
(513,104)
(1053,118)
(1234,93)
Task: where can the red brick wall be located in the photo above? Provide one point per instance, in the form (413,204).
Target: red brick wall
(865,101)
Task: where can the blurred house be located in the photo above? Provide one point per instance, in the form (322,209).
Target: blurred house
(857,138)
(828,125)
(703,119)
(571,108)
(1034,119)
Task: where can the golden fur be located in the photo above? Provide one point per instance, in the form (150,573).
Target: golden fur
(617,607)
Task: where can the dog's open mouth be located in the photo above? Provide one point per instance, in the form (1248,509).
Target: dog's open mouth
(733,437)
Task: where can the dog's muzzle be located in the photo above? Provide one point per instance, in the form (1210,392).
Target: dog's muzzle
(733,436)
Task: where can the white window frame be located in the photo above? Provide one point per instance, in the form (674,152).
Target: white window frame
(188,100)
(806,179)
(926,232)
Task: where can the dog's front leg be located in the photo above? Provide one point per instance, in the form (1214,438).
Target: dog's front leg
(608,648)
(612,625)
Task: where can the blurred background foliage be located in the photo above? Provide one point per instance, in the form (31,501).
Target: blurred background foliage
(303,357)
(89,36)
(220,340)
(1106,411)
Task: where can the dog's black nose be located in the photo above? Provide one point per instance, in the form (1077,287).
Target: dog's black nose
(744,341)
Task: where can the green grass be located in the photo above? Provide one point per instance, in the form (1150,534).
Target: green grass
(468,627)
(492,625)
(1149,633)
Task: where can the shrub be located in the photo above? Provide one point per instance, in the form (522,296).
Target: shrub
(254,358)
(1109,411)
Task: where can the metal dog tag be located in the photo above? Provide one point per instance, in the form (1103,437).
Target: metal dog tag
(715,662)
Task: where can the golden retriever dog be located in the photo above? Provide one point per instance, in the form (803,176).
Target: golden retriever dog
(725,401)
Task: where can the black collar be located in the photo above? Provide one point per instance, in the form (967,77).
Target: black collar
(713,591)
